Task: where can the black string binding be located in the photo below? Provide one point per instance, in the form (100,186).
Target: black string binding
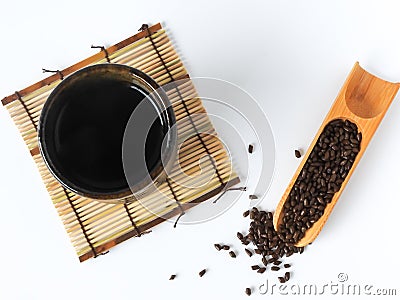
(185,107)
(177,201)
(132,221)
(54,71)
(242,188)
(146,27)
(95,254)
(26,109)
(143,27)
(103,49)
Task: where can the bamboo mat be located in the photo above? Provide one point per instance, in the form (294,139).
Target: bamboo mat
(94,227)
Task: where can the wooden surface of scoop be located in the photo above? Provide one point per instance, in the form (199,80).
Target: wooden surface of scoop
(363,100)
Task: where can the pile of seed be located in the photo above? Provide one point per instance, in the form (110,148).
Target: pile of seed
(321,177)
(267,242)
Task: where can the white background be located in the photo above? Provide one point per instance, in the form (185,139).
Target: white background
(293,57)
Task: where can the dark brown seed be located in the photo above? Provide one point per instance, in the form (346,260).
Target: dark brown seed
(173,276)
(261,270)
(218,247)
(277,262)
(271,260)
(255,267)
(253,197)
(202,272)
(226,247)
(281,279)
(264,261)
(287,276)
(232,254)
(251,148)
(275,268)
(257,251)
(246,213)
(248,252)
(248,291)
(322,176)
(286,265)
(252,215)
(297,153)
(239,235)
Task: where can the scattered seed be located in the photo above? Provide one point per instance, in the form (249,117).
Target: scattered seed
(271,260)
(218,247)
(232,254)
(239,235)
(255,267)
(251,148)
(202,272)
(248,252)
(173,276)
(226,247)
(246,213)
(264,261)
(248,291)
(253,197)
(322,175)
(287,276)
(261,270)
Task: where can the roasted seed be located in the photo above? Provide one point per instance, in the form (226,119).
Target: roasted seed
(248,291)
(297,153)
(264,261)
(281,279)
(255,267)
(226,247)
(202,272)
(246,213)
(173,276)
(261,270)
(253,197)
(232,254)
(239,235)
(251,148)
(248,252)
(322,176)
(218,247)
(275,268)
(287,276)
(286,265)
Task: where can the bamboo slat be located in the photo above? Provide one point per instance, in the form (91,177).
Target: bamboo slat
(94,227)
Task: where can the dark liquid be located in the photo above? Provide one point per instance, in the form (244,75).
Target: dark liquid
(89,133)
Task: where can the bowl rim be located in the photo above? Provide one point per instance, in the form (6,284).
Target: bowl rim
(153,88)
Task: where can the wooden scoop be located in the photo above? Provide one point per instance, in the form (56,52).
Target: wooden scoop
(363,100)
